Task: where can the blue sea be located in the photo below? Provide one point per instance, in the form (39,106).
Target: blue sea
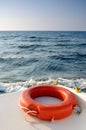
(38,57)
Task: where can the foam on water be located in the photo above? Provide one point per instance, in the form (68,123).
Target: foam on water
(18,86)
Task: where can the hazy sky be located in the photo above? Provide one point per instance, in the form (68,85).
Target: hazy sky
(43,15)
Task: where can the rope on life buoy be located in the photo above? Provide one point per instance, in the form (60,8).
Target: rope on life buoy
(34,113)
(77,109)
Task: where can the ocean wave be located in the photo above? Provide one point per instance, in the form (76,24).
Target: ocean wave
(80,55)
(33,37)
(82,44)
(64,40)
(33,46)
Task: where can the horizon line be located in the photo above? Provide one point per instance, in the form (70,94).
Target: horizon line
(46,30)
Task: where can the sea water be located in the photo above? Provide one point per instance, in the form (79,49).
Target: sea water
(38,57)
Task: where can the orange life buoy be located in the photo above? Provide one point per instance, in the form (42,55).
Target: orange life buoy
(48,111)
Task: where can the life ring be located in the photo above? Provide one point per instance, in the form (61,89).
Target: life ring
(48,111)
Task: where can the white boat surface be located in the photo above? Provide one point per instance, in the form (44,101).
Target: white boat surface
(12,117)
